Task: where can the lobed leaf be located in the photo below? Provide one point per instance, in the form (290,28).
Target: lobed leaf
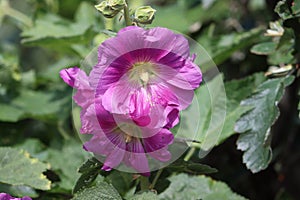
(184,187)
(191,167)
(145,196)
(89,172)
(254,126)
(264,48)
(214,128)
(101,190)
(65,162)
(17,168)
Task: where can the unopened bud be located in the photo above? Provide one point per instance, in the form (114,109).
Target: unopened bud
(144,15)
(110,8)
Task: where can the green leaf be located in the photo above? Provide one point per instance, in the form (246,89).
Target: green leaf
(17,168)
(221,48)
(85,180)
(89,172)
(191,167)
(177,22)
(184,187)
(9,113)
(264,48)
(145,196)
(282,9)
(36,104)
(18,190)
(30,104)
(254,126)
(215,125)
(50,74)
(65,162)
(236,91)
(205,115)
(50,29)
(90,165)
(284,50)
(101,190)
(121,181)
(207,11)
(296,7)
(85,14)
(35,148)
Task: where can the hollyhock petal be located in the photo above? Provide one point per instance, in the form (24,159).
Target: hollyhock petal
(117,52)
(167,40)
(75,77)
(174,77)
(140,107)
(172,118)
(26,198)
(162,155)
(4,196)
(192,73)
(105,119)
(136,156)
(185,97)
(89,121)
(156,146)
(69,75)
(115,157)
(84,98)
(127,28)
(160,94)
(113,73)
(158,141)
(99,144)
(117,99)
(156,113)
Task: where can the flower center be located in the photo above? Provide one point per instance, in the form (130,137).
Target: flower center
(128,138)
(130,132)
(141,72)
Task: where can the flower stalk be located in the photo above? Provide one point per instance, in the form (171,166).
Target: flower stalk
(189,154)
(7,10)
(144,182)
(126,14)
(156,178)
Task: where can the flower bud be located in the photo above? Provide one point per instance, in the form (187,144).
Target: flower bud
(144,15)
(110,8)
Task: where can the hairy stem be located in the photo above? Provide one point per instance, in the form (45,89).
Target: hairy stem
(190,154)
(156,178)
(144,183)
(126,14)
(109,23)
(7,10)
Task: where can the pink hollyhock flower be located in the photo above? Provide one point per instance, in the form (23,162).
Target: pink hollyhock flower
(127,142)
(134,94)
(116,136)
(4,196)
(140,70)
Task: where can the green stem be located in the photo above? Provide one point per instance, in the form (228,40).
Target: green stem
(156,178)
(144,183)
(109,23)
(7,10)
(126,14)
(190,154)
